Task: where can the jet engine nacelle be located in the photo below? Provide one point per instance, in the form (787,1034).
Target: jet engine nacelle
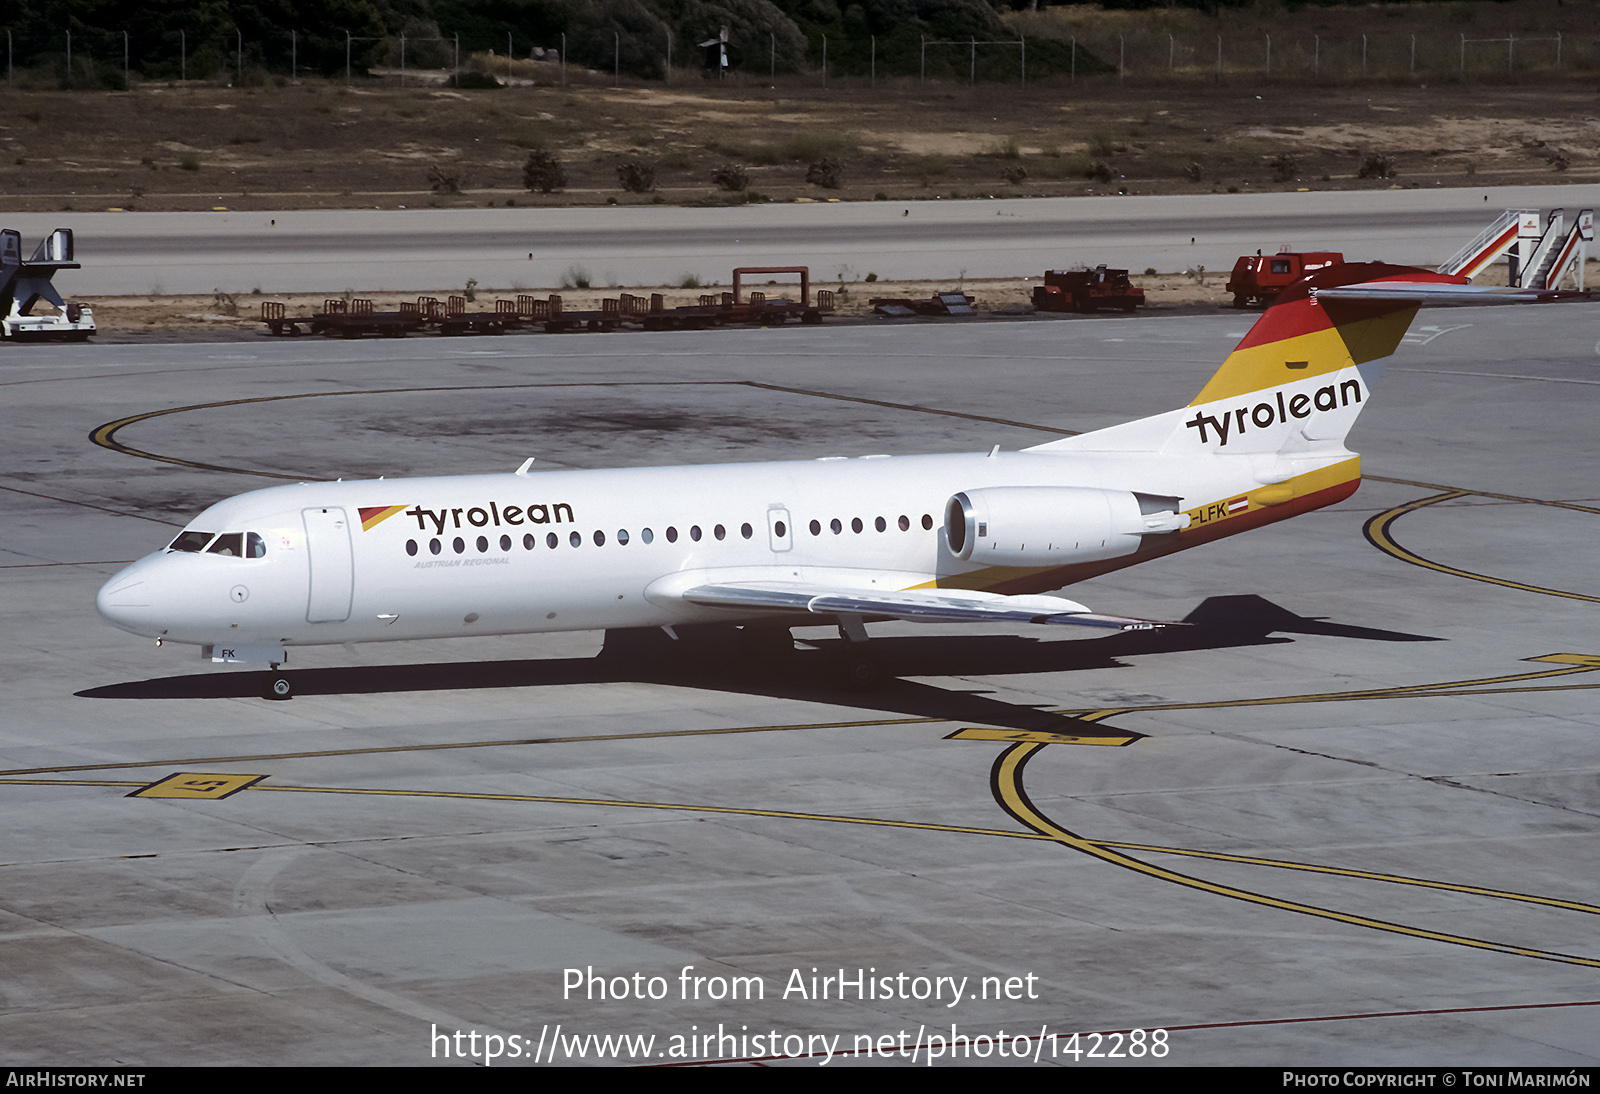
(1050,525)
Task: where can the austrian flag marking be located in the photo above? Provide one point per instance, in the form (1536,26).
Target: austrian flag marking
(1238,505)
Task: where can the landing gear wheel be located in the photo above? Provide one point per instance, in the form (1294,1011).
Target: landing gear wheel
(860,671)
(279,687)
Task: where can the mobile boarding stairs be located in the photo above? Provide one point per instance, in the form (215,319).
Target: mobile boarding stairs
(1541,254)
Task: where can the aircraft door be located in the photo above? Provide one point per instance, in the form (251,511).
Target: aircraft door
(780,530)
(332,567)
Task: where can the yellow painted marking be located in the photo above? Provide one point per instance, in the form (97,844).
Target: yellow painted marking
(1378,534)
(1486,494)
(105,435)
(213,785)
(1040,736)
(1007,782)
(380,749)
(1114,845)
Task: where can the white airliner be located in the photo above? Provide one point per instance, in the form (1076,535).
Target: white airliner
(945,538)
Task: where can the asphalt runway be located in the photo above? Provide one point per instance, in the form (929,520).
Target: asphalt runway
(1348,818)
(381,250)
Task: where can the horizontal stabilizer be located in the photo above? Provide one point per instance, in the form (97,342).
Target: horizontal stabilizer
(1425,292)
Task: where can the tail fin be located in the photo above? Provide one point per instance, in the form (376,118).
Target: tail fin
(1302,336)
(1296,382)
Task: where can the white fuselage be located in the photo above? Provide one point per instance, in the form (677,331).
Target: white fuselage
(570,550)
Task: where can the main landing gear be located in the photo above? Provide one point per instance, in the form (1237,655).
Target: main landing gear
(278,685)
(858,668)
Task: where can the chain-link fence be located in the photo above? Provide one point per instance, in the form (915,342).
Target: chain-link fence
(87,58)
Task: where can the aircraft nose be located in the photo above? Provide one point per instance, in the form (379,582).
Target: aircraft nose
(125,600)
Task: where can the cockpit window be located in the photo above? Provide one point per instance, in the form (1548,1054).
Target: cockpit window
(255,546)
(228,543)
(191,541)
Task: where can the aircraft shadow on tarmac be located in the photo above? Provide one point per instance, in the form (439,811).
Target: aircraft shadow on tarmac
(780,671)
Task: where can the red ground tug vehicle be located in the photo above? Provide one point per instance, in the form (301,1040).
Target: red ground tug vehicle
(1086,290)
(1258,278)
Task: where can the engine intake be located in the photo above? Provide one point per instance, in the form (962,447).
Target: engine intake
(1050,525)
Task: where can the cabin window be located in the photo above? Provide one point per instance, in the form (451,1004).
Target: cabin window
(746,531)
(855,525)
(483,544)
(622,537)
(879,524)
(505,543)
(411,546)
(576,539)
(551,541)
(191,541)
(434,546)
(816,529)
(905,523)
(528,541)
(694,532)
(647,535)
(720,532)
(599,538)
(672,534)
(458,544)
(927,523)
(835,526)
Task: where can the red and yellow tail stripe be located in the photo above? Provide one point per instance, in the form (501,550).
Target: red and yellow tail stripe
(1301,336)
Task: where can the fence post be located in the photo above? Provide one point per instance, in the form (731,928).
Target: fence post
(563,60)
(125,84)
(1172,49)
(69,58)
(1413,55)
(667,76)
(402,60)
(1122,56)
(183,58)
(1074,59)
(772,66)
(1511,45)
(239,37)
(616,58)
(509,55)
(1463,56)
(1022,41)
(458,60)
(924,58)
(1316,55)
(824,60)
(1269,55)
(972,74)
(347,58)
(872,72)
(294,57)
(1363,56)
(1219,58)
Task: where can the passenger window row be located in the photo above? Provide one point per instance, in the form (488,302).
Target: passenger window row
(552,540)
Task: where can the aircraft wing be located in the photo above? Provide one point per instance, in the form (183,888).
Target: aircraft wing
(916,605)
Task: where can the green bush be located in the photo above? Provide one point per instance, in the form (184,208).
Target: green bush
(543,171)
